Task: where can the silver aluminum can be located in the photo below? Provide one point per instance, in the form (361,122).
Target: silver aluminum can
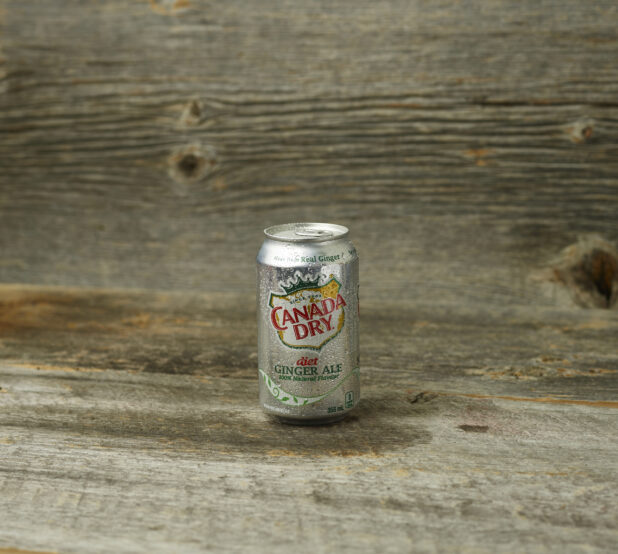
(307,310)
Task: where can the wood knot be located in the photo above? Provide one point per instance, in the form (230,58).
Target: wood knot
(192,114)
(589,269)
(474,428)
(581,130)
(192,163)
(596,271)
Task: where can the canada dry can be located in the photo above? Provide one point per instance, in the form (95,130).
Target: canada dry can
(308,355)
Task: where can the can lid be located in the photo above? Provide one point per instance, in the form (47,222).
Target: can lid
(306,232)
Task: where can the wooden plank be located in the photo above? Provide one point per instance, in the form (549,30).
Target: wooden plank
(465,146)
(109,460)
(512,352)
(129,421)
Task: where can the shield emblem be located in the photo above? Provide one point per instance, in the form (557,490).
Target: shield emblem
(308,316)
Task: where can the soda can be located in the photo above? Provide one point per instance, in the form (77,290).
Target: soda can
(308,323)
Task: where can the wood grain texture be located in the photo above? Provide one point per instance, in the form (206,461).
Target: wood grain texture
(465,144)
(100,461)
(129,422)
(471,147)
(522,352)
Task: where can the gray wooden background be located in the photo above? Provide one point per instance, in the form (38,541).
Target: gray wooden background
(147,144)
(472,149)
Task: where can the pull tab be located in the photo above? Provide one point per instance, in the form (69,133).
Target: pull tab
(313,233)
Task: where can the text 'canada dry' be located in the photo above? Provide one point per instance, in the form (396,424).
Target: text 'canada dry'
(308,357)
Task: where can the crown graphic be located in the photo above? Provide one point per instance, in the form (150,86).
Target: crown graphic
(300,284)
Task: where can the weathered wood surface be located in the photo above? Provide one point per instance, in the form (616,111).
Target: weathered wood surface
(472,149)
(527,352)
(110,461)
(129,422)
(146,144)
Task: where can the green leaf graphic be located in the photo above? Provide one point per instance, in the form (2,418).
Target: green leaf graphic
(291,400)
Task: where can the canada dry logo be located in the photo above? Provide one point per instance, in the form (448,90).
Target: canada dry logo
(308,315)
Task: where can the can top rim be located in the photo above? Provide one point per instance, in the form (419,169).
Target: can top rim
(306,232)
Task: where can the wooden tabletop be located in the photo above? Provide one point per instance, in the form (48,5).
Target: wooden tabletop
(129,422)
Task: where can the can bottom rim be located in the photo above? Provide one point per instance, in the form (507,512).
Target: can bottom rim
(309,421)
